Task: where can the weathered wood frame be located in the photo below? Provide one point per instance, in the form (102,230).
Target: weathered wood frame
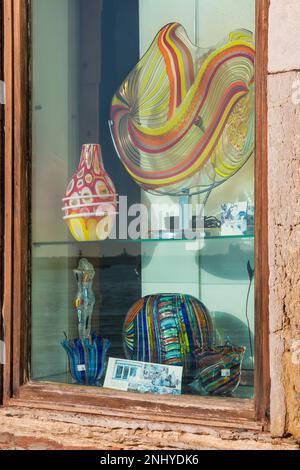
(17,388)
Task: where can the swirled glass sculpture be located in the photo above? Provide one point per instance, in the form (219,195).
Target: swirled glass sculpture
(184,117)
(220,369)
(167,329)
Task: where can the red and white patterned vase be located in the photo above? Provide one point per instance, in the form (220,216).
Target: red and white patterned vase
(90,202)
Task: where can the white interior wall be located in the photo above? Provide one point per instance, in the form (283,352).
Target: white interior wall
(226,297)
(171,267)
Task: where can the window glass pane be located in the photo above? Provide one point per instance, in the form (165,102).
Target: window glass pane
(143,195)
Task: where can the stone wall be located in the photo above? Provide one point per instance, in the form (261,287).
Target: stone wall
(45,430)
(284,214)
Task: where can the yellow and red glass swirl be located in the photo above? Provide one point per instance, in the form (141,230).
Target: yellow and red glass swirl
(184,117)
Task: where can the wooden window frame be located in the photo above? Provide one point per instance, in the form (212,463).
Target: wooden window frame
(17,389)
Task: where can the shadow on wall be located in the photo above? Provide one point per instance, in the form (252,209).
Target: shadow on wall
(228,265)
(232,329)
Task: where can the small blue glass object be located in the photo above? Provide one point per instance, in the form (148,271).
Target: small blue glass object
(87,358)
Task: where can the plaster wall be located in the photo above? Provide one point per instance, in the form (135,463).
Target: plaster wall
(284,214)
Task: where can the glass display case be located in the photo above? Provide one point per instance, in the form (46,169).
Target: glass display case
(142,235)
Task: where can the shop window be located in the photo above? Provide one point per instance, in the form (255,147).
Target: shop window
(146,218)
(177,289)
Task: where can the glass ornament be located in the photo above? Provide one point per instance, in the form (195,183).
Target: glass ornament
(219,369)
(183,120)
(91,200)
(85,298)
(167,329)
(87,359)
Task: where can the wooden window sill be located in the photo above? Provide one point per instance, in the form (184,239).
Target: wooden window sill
(188,410)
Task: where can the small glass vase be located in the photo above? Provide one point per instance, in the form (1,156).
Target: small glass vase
(90,200)
(87,359)
(219,369)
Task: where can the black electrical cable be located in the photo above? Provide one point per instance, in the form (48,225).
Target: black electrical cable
(251,276)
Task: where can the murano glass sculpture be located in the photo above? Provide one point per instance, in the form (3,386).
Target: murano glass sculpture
(87,359)
(90,201)
(219,369)
(87,353)
(85,299)
(167,329)
(183,120)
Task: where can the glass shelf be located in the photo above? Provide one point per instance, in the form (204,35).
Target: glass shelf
(145,240)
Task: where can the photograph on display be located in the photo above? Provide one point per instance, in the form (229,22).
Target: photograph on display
(234,218)
(141,377)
